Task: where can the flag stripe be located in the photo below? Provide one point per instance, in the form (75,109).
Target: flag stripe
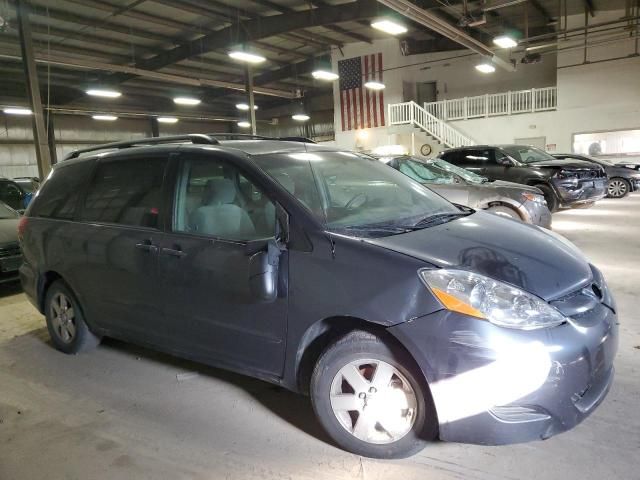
(348,110)
(366,79)
(342,111)
(374,94)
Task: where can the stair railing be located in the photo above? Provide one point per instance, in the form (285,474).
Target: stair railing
(410,113)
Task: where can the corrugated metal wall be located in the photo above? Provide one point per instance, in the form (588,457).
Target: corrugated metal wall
(18,155)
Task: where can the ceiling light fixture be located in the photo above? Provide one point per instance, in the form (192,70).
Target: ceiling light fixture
(485,68)
(324,75)
(108,118)
(389,26)
(244,107)
(244,124)
(186,101)
(96,92)
(505,41)
(246,56)
(300,117)
(167,120)
(374,85)
(17,111)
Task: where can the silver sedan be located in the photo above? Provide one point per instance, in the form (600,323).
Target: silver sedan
(463,187)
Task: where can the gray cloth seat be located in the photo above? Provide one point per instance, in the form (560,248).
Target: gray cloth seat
(218,215)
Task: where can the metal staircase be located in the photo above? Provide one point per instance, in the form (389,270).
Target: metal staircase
(410,113)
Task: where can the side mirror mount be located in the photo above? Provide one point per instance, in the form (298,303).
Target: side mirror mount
(263,270)
(505,161)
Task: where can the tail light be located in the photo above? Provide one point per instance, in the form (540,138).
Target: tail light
(22,227)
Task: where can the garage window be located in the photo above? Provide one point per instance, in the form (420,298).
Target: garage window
(126,192)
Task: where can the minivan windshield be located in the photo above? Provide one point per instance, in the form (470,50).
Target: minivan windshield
(527,154)
(357,195)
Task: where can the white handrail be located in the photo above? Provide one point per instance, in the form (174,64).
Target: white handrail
(410,113)
(489,105)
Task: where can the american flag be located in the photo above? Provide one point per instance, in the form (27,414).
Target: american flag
(359,106)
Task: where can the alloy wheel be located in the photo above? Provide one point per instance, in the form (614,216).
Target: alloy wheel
(63,318)
(373,401)
(617,188)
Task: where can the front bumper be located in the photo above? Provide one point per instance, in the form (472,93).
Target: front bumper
(585,191)
(9,268)
(493,385)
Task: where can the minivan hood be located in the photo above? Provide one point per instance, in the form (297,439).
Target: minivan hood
(571,164)
(536,260)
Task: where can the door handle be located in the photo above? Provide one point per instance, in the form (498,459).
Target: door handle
(174,252)
(147,247)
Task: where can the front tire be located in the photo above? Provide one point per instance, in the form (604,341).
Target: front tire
(370,400)
(550,197)
(65,320)
(618,188)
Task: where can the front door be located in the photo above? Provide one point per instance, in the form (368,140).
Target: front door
(219,214)
(427,92)
(120,234)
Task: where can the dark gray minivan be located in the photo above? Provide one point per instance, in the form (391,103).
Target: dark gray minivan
(406,318)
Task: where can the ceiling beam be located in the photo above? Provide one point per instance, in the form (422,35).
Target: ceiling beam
(259,28)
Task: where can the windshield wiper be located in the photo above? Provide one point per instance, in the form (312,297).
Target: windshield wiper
(377,228)
(437,219)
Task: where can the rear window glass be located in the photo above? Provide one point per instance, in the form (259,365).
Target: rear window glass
(60,193)
(126,192)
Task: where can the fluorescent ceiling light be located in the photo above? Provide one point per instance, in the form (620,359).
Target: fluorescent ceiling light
(167,120)
(485,68)
(17,111)
(389,26)
(244,124)
(505,41)
(300,117)
(245,107)
(186,101)
(246,56)
(324,75)
(109,118)
(374,85)
(96,92)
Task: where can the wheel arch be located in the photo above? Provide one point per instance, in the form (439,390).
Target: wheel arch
(324,332)
(502,203)
(45,280)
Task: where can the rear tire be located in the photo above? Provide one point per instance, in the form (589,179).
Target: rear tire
(550,197)
(618,188)
(504,211)
(356,376)
(65,320)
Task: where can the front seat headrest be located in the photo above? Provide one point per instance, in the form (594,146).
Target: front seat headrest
(219,191)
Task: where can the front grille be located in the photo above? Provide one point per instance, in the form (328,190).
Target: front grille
(10,250)
(589,174)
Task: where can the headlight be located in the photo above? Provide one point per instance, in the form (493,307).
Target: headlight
(483,297)
(534,197)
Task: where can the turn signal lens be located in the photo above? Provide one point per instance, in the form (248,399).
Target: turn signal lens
(456,305)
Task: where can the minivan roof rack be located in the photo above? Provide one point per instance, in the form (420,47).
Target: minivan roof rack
(197,138)
(249,136)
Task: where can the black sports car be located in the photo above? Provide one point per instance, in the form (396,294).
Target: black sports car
(622,179)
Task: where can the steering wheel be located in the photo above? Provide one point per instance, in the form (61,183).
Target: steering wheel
(530,159)
(353,203)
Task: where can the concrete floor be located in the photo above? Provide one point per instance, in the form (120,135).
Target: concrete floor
(125,412)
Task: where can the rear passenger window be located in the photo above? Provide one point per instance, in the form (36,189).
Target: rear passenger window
(215,199)
(126,192)
(59,195)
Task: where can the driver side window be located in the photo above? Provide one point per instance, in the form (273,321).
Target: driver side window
(215,199)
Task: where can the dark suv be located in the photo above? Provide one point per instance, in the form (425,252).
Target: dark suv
(404,317)
(565,183)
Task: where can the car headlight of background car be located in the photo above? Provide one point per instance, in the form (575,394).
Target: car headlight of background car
(534,197)
(485,298)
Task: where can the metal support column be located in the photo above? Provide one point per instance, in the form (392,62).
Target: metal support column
(155,127)
(33,89)
(252,110)
(51,138)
